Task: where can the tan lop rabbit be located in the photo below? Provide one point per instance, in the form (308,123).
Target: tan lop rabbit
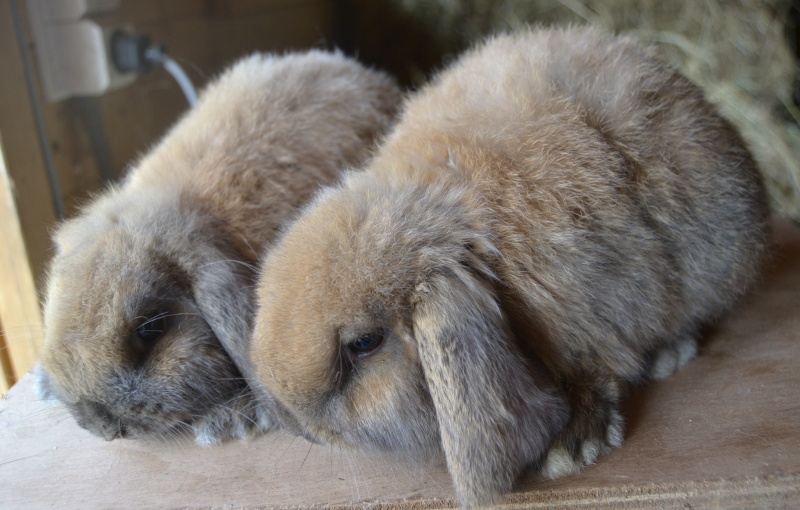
(552,220)
(156,271)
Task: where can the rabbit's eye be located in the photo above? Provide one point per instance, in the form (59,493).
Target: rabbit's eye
(152,329)
(367,343)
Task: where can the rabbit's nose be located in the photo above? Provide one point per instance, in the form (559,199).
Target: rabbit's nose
(98,419)
(111,432)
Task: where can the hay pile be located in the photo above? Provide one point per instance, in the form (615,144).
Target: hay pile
(737,50)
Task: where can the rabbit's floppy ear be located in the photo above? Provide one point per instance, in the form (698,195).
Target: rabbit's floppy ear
(224,291)
(222,287)
(494,417)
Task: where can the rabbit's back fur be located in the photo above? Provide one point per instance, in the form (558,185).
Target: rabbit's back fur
(601,169)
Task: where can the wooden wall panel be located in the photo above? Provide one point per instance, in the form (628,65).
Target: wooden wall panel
(26,209)
(26,167)
(202,37)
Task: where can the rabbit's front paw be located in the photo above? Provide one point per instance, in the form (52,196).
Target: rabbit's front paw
(243,418)
(570,452)
(672,357)
(595,425)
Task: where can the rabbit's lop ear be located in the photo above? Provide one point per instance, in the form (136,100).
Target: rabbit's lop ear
(223,290)
(495,416)
(224,293)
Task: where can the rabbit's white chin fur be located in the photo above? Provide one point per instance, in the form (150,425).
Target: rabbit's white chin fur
(226,423)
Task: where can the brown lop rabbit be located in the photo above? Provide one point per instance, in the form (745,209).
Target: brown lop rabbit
(552,220)
(156,271)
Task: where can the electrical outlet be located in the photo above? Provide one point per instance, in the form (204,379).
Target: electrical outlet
(73,49)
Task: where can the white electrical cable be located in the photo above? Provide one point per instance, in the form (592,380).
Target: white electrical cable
(155,54)
(182,78)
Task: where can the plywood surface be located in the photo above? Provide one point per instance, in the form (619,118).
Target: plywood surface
(722,433)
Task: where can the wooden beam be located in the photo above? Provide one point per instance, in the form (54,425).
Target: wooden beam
(6,370)
(20,315)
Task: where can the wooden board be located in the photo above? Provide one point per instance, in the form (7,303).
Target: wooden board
(21,322)
(724,432)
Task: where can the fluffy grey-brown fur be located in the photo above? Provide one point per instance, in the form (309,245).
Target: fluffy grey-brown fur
(552,220)
(155,272)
